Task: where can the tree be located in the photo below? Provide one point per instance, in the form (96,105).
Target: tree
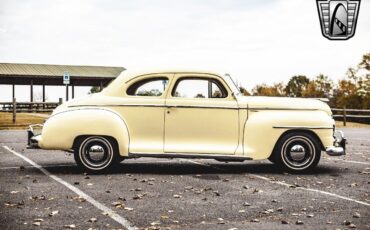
(244,91)
(365,63)
(320,87)
(296,85)
(277,89)
(95,89)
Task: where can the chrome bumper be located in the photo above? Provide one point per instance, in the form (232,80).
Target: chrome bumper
(339,147)
(33,134)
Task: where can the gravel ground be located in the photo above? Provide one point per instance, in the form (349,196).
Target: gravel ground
(182,194)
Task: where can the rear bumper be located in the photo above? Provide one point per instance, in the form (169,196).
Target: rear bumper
(34,135)
(339,147)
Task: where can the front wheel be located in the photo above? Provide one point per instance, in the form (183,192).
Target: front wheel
(96,153)
(297,152)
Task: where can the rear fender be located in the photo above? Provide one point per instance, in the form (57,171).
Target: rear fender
(61,129)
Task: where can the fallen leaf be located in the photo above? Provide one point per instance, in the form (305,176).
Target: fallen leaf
(70,226)
(255,220)
(36,223)
(176,196)
(246,204)
(216,193)
(53,213)
(298,222)
(356,215)
(220,221)
(92,220)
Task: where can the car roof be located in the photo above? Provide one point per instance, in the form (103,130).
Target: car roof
(128,75)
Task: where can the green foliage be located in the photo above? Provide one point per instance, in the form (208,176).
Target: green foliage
(94,89)
(296,86)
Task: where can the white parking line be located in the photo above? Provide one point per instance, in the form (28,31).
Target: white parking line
(355,162)
(287,185)
(119,219)
(31,166)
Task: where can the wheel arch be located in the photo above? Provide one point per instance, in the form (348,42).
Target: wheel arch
(307,131)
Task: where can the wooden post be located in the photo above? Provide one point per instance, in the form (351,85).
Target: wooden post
(14,109)
(13,91)
(66,92)
(43,96)
(31,96)
(73,91)
(60,101)
(344,116)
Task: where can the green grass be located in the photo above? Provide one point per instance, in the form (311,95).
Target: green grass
(23,120)
(339,124)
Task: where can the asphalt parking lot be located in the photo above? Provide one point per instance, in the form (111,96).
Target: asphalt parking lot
(45,190)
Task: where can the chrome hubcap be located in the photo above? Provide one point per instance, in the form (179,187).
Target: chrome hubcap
(297,152)
(96,152)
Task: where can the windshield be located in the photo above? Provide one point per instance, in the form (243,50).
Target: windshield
(232,85)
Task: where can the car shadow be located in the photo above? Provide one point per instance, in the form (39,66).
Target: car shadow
(189,168)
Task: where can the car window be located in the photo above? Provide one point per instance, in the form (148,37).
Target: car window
(149,87)
(199,88)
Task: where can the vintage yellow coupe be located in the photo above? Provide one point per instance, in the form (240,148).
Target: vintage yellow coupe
(189,115)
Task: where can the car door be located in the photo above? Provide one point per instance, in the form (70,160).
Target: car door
(201,116)
(143,109)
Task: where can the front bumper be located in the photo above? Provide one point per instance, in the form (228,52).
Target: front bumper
(34,135)
(339,147)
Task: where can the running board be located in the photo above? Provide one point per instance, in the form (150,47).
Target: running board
(189,155)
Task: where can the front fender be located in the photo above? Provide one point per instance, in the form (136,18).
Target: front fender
(264,128)
(61,129)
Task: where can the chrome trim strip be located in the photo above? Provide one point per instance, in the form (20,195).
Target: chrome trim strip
(266,108)
(190,155)
(154,105)
(301,127)
(189,106)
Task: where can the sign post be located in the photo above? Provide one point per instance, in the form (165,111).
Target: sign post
(66,81)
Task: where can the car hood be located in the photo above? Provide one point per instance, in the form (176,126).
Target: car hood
(284,103)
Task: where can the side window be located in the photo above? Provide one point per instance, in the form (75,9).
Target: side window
(199,88)
(149,87)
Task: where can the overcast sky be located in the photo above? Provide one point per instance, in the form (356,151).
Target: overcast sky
(255,41)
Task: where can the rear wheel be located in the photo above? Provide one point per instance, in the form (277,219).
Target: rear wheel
(297,152)
(96,153)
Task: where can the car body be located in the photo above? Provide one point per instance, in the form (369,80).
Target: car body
(189,114)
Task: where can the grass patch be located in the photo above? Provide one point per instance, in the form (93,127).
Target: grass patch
(339,124)
(23,120)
